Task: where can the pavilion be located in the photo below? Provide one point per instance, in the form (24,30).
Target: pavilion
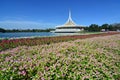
(69,27)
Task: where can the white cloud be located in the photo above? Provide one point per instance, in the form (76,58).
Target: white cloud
(8,24)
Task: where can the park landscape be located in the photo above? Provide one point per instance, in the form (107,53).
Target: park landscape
(37,44)
(84,57)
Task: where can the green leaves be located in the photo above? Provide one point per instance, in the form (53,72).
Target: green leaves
(88,59)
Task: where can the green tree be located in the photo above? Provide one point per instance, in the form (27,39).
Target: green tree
(2,30)
(105,26)
(94,28)
(110,28)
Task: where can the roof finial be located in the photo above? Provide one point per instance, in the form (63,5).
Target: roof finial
(70,14)
(69,21)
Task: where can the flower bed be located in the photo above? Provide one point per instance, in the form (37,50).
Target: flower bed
(8,44)
(95,58)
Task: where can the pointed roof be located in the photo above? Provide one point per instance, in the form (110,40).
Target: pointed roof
(69,22)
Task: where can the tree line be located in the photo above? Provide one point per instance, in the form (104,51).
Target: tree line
(91,28)
(25,30)
(104,27)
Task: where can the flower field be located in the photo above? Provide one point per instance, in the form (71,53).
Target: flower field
(96,58)
(12,43)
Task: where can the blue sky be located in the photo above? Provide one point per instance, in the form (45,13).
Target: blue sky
(41,14)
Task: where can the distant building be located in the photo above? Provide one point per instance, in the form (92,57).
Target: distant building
(118,30)
(103,30)
(69,27)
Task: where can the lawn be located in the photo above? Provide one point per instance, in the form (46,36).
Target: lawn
(96,58)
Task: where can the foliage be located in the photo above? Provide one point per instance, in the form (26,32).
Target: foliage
(12,43)
(2,30)
(29,30)
(94,27)
(95,58)
(107,27)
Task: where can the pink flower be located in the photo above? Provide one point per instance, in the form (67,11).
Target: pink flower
(7,59)
(42,78)
(23,72)
(46,68)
